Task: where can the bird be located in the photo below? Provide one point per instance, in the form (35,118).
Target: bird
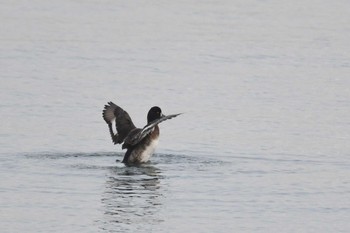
(140,143)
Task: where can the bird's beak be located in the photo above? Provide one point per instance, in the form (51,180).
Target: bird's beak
(162,115)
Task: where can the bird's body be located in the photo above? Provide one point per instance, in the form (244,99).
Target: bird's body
(141,152)
(140,143)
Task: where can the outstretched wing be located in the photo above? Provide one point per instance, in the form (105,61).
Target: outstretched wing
(114,113)
(136,138)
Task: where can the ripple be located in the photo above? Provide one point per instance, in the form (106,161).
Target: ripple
(158,158)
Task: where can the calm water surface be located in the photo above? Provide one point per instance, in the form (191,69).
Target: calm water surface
(263,145)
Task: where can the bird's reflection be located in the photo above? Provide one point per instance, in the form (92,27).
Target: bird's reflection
(132,198)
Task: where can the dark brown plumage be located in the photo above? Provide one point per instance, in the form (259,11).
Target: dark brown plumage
(140,143)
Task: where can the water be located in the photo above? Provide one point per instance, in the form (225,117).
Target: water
(262,146)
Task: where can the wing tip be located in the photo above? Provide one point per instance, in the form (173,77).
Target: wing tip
(108,112)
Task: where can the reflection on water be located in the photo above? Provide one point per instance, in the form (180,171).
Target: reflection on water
(132,197)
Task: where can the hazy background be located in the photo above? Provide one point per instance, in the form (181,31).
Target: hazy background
(263,145)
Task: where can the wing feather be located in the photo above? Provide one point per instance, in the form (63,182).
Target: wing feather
(137,137)
(112,113)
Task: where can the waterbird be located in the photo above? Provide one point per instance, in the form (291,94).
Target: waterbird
(140,143)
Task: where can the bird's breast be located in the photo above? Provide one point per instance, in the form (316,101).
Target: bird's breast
(148,150)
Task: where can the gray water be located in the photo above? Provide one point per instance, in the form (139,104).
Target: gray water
(262,146)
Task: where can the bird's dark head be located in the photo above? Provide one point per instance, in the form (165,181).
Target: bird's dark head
(154,113)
